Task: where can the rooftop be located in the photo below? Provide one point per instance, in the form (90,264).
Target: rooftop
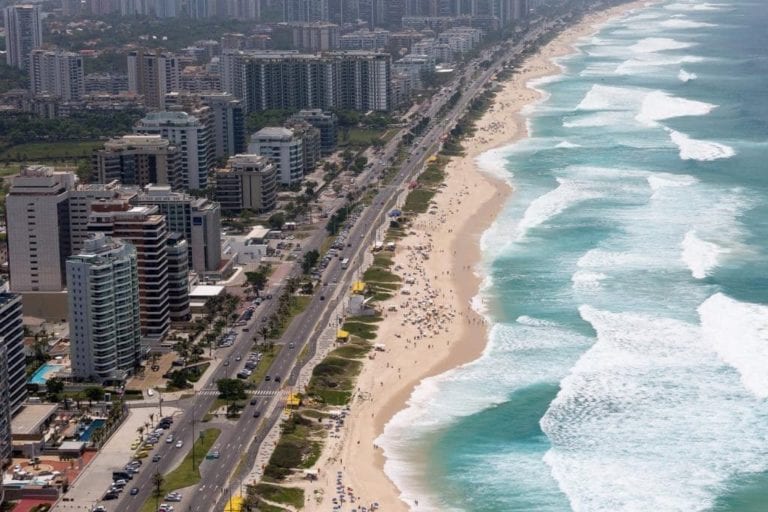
(32,417)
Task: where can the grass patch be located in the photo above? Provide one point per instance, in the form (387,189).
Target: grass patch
(418,200)
(299,447)
(352,351)
(333,380)
(266,361)
(373,319)
(361,329)
(48,151)
(292,496)
(433,175)
(380,275)
(360,137)
(186,474)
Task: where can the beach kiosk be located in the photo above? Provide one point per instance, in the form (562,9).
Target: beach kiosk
(342,336)
(358,287)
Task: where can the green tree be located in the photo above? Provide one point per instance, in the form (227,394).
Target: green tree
(276,220)
(310,260)
(93,393)
(54,387)
(178,380)
(231,389)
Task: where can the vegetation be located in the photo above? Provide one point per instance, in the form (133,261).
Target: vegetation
(292,496)
(187,473)
(299,447)
(80,126)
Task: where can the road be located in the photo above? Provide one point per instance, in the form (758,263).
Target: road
(240,443)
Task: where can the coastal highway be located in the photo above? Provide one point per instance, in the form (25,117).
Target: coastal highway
(240,442)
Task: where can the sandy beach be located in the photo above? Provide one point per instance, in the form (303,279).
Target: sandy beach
(434,328)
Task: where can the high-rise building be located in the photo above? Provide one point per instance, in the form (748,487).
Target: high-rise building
(105,335)
(317,36)
(37,220)
(178,278)
(284,149)
(191,136)
(152,74)
(197,219)
(144,228)
(138,160)
(353,80)
(326,122)
(23,33)
(12,345)
(57,73)
(248,182)
(228,124)
(305,10)
(310,142)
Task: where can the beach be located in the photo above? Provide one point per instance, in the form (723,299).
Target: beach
(433,327)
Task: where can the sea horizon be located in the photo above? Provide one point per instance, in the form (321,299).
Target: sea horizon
(624,368)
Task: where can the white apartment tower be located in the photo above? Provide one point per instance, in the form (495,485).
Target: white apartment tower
(23,33)
(191,136)
(57,73)
(285,150)
(104,309)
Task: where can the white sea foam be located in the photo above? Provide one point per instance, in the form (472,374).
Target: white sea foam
(738,332)
(662,180)
(694,149)
(658,44)
(543,208)
(649,418)
(692,6)
(678,23)
(653,62)
(534,322)
(567,145)
(700,255)
(604,97)
(658,105)
(601,259)
(587,280)
(494,163)
(685,76)
(597,120)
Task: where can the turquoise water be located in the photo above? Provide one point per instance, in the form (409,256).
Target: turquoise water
(627,368)
(92,427)
(41,375)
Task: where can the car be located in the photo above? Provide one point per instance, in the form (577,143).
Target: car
(179,443)
(291,345)
(169,439)
(226,363)
(100,508)
(254,401)
(267,378)
(238,357)
(156,457)
(174,496)
(111,496)
(213,455)
(322,297)
(256,414)
(134,491)
(277,379)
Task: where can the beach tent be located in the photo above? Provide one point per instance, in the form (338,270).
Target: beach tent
(358,287)
(342,335)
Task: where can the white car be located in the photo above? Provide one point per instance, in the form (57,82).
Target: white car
(179,443)
(174,496)
(169,439)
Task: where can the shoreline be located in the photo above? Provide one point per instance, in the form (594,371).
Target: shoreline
(440,310)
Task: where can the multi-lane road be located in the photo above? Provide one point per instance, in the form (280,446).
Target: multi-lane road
(239,443)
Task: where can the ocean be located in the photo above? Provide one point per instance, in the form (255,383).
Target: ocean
(626,286)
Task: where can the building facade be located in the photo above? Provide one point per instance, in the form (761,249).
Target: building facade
(152,74)
(138,160)
(57,73)
(326,122)
(197,219)
(146,230)
(12,343)
(284,149)
(248,182)
(105,335)
(191,136)
(228,124)
(37,220)
(23,33)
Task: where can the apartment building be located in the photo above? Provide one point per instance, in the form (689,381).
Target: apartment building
(248,182)
(152,74)
(105,335)
(57,73)
(144,228)
(193,138)
(284,149)
(139,160)
(23,33)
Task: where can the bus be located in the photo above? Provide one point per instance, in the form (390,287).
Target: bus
(345,263)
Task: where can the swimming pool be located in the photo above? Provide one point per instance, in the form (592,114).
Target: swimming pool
(42,374)
(88,432)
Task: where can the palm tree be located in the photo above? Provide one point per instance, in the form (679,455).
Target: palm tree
(140,430)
